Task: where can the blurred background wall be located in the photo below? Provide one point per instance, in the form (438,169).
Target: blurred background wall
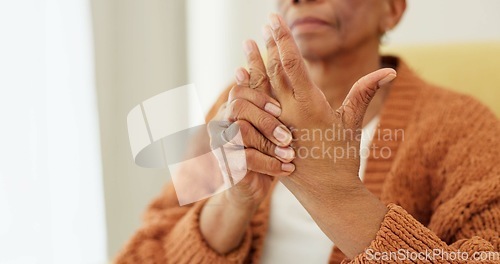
(146,47)
(51,195)
(140,51)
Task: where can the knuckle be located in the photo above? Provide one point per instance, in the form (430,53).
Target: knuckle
(273,165)
(290,62)
(235,92)
(244,93)
(242,125)
(367,87)
(270,44)
(281,35)
(361,97)
(253,57)
(236,109)
(245,130)
(258,79)
(260,100)
(274,67)
(266,146)
(266,123)
(365,98)
(239,103)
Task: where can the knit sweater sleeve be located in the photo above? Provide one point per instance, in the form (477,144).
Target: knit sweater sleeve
(171,234)
(466,214)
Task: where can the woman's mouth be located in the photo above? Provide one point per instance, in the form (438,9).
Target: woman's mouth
(308,24)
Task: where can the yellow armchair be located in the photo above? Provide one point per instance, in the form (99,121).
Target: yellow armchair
(472,68)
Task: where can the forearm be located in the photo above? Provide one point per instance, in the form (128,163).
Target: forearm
(352,222)
(223,224)
(349,215)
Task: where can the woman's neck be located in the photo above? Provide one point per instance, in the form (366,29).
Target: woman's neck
(336,75)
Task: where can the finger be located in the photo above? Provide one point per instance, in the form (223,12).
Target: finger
(277,77)
(354,107)
(242,77)
(260,99)
(262,163)
(249,137)
(290,56)
(257,69)
(265,123)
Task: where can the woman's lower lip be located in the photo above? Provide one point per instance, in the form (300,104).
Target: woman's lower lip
(309,27)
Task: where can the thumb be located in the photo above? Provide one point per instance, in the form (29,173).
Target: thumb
(354,107)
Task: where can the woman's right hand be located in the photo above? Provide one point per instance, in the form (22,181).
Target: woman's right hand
(249,120)
(253,114)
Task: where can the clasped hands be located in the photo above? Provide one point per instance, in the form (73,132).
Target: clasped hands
(274,108)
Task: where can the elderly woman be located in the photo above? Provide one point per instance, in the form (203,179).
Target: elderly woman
(428,190)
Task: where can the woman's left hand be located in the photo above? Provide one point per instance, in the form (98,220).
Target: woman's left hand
(326,142)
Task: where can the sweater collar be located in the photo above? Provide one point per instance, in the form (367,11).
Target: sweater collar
(394,118)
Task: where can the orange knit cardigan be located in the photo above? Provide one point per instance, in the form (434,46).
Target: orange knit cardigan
(441,184)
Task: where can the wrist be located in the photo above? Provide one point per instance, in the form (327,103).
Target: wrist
(332,187)
(346,211)
(217,212)
(239,206)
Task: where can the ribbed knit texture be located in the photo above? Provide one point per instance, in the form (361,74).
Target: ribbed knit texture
(440,180)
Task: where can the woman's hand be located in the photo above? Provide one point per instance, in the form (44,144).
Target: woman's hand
(248,120)
(326,141)
(321,133)
(243,123)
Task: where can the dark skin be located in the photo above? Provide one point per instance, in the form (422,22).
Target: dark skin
(310,76)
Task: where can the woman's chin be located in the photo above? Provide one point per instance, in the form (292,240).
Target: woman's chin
(314,46)
(311,50)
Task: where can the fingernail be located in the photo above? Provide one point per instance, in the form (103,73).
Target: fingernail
(248,47)
(240,76)
(282,135)
(387,79)
(285,153)
(266,32)
(273,109)
(288,167)
(275,21)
